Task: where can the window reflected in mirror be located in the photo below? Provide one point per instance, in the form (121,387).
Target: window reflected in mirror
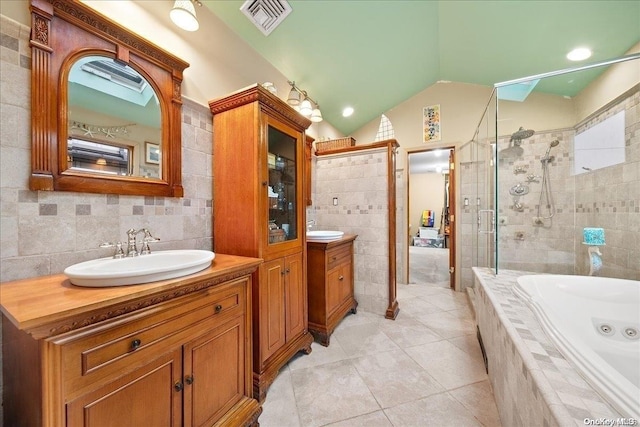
(113,117)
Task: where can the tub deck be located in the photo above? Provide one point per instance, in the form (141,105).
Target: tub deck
(532,382)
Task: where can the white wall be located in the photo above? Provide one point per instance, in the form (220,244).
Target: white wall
(426,191)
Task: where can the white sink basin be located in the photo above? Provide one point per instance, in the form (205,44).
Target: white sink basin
(155,266)
(324,235)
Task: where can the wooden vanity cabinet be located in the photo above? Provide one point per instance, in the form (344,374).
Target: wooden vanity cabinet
(259,211)
(181,357)
(330,280)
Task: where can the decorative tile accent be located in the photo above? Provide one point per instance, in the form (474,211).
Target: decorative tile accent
(52,230)
(531,380)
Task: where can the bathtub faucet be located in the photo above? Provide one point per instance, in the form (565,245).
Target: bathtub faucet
(595,260)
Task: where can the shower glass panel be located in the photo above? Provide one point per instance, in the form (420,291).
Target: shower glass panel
(477,186)
(568,155)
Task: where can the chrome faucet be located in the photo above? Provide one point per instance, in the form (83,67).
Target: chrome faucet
(132,249)
(310,224)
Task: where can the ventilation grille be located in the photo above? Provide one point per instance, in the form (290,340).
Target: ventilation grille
(266,14)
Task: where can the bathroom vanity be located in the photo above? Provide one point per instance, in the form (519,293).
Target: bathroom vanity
(169,353)
(330,281)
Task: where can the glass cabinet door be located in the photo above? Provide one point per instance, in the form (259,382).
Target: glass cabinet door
(282,187)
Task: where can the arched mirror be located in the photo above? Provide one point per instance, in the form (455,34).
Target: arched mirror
(106,106)
(114,120)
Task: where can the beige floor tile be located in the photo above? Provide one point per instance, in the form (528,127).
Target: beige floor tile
(362,339)
(329,393)
(469,344)
(449,365)
(408,332)
(395,378)
(478,399)
(438,410)
(374,419)
(447,325)
(279,408)
(319,355)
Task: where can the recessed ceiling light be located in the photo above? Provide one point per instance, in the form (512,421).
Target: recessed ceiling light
(579,54)
(348,111)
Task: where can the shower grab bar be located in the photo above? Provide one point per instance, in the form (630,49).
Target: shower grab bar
(492,221)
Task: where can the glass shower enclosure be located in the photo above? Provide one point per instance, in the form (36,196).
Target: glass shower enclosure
(554,154)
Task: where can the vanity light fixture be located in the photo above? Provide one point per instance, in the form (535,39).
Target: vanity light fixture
(303,103)
(579,54)
(183,14)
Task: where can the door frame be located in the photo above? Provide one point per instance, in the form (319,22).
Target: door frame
(451,150)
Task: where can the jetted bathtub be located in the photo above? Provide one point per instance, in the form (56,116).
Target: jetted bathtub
(595,323)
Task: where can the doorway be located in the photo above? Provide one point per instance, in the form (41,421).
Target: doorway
(431,225)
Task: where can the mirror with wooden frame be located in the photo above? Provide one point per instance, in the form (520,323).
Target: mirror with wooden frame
(106,106)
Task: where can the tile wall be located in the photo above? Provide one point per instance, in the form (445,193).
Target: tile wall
(359,181)
(532,382)
(44,232)
(607,198)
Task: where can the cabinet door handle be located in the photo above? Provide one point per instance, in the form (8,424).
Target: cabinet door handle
(341,278)
(333,258)
(288,271)
(189,379)
(218,309)
(135,344)
(178,386)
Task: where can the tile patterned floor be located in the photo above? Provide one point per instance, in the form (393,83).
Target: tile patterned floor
(423,369)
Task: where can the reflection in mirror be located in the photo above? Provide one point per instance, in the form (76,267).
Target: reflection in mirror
(113,114)
(99,157)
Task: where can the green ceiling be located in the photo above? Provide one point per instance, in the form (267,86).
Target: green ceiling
(373,55)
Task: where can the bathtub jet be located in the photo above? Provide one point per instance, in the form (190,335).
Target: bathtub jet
(594,323)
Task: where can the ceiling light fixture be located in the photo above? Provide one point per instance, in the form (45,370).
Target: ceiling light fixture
(347,112)
(183,14)
(579,54)
(302,102)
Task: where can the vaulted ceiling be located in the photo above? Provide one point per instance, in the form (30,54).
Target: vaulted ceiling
(373,55)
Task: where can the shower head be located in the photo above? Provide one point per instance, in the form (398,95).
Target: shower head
(554,143)
(521,134)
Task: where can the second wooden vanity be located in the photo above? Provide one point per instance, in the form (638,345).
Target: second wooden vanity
(170,353)
(330,271)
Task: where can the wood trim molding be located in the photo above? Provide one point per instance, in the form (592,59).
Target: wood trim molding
(63,29)
(269,102)
(391,145)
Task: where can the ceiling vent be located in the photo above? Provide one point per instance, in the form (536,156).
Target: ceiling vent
(266,14)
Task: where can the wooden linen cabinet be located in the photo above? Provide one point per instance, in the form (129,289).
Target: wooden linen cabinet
(259,211)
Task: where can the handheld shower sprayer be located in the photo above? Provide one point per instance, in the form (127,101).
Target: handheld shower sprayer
(546,198)
(546,157)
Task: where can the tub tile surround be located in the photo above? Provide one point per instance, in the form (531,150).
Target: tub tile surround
(372,374)
(533,383)
(44,232)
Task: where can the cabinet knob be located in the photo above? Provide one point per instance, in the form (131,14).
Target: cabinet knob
(218,309)
(178,386)
(135,344)
(341,278)
(288,270)
(189,379)
(333,258)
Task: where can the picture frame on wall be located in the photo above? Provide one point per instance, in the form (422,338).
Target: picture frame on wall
(152,153)
(431,123)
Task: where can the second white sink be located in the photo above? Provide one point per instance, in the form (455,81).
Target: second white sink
(324,235)
(161,265)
